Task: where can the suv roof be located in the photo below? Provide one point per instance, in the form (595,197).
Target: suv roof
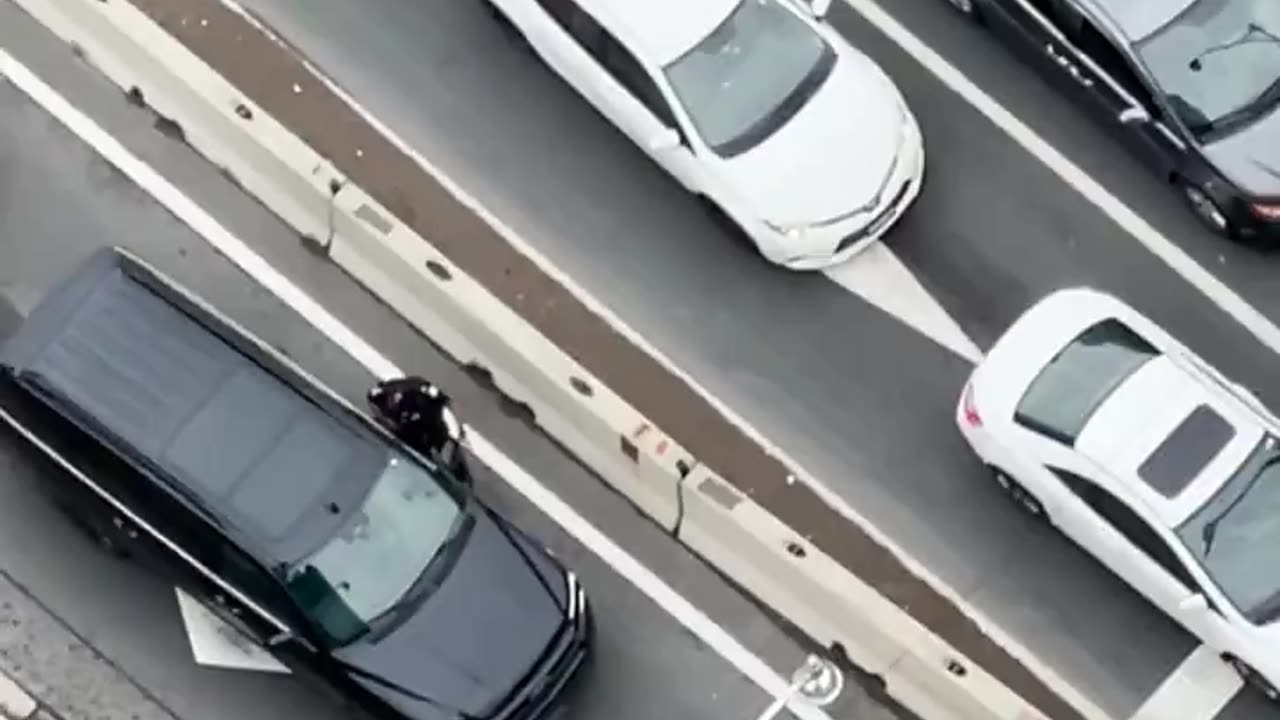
(183,392)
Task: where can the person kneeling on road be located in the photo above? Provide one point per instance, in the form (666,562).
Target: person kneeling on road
(419,413)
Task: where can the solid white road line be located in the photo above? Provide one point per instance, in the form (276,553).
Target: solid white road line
(1197,690)
(234,249)
(1074,176)
(879,277)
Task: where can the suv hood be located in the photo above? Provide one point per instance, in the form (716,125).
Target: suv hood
(1251,157)
(833,157)
(477,636)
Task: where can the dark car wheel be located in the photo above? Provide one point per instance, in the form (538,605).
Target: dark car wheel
(1252,678)
(1020,496)
(1206,210)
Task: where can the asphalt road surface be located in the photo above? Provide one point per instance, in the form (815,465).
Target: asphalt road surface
(862,401)
(58,201)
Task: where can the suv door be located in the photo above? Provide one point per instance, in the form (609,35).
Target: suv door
(605,72)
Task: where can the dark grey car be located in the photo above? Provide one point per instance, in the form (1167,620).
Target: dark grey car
(1193,85)
(193,447)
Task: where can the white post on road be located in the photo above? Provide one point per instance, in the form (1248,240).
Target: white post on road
(818,682)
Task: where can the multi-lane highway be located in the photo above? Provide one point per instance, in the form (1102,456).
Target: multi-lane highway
(58,201)
(861,400)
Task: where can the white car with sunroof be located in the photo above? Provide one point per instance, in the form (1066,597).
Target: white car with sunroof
(758,107)
(1093,418)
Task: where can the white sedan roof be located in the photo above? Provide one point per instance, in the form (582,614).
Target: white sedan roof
(1143,412)
(664,29)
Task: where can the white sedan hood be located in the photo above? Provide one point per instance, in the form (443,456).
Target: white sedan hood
(832,157)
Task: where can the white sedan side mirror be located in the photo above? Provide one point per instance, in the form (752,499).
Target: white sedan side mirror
(1193,604)
(819,8)
(663,140)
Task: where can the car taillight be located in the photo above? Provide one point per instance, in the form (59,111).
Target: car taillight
(1267,211)
(971,416)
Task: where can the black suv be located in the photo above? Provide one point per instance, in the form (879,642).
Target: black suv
(1194,85)
(197,449)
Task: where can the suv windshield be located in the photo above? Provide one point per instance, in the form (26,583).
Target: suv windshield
(1219,62)
(1235,534)
(381,551)
(750,75)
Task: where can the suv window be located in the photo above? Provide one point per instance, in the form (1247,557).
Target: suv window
(1065,394)
(612,56)
(1129,524)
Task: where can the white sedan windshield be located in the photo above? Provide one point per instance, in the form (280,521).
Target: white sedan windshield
(749,76)
(1235,534)
(1218,59)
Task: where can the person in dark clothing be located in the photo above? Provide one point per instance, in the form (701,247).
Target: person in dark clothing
(419,413)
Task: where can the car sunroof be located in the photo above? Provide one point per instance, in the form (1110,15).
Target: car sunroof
(1187,451)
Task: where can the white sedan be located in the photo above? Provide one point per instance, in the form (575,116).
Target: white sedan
(756,106)
(1092,417)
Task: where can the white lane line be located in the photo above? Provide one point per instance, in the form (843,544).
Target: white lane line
(878,276)
(1197,689)
(234,249)
(1093,191)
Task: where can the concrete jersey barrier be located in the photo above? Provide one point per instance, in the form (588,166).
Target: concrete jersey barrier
(712,517)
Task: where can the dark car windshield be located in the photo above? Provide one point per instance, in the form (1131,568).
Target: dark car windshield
(1218,61)
(380,552)
(750,75)
(1235,534)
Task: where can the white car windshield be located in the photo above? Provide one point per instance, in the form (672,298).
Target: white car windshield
(1219,62)
(379,554)
(1235,535)
(750,75)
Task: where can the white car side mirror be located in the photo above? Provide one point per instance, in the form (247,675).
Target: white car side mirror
(663,140)
(1193,604)
(819,8)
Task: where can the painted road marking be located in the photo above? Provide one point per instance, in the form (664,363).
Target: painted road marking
(1197,690)
(879,277)
(15,702)
(216,644)
(234,249)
